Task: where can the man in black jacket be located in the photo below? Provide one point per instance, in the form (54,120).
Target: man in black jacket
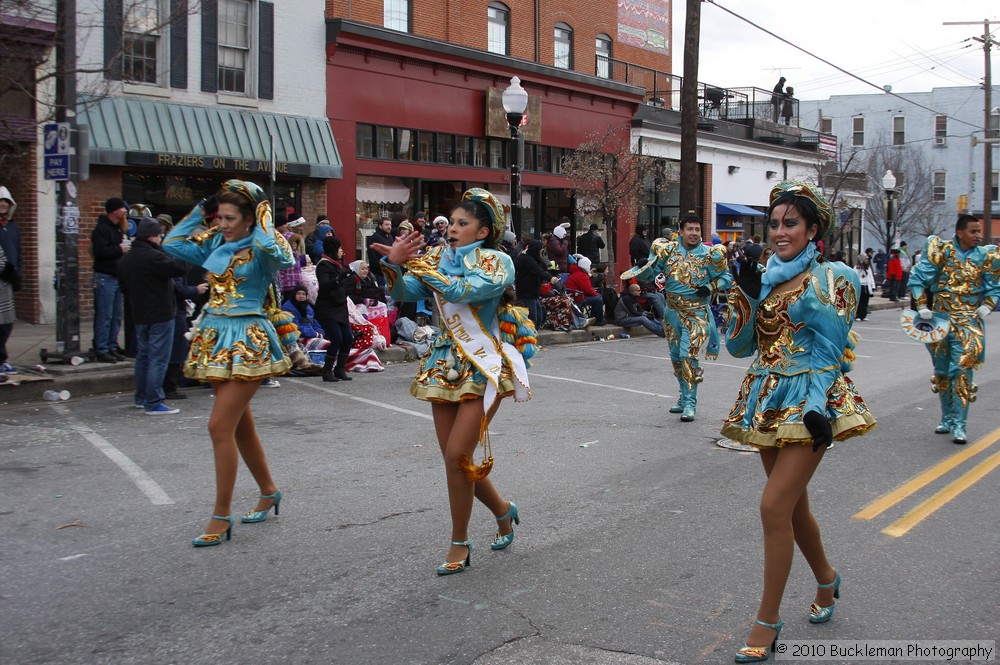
(639,246)
(628,313)
(529,275)
(382,235)
(146,274)
(590,245)
(108,245)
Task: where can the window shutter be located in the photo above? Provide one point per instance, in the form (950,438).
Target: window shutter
(265,65)
(209,45)
(113,27)
(178,43)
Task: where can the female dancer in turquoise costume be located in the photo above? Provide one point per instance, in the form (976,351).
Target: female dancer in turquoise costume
(234,345)
(468,369)
(796,398)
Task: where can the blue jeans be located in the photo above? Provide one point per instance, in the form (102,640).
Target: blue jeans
(153,345)
(535,311)
(107,312)
(652,326)
(596,304)
(657,301)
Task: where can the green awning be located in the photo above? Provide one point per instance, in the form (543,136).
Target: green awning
(144,132)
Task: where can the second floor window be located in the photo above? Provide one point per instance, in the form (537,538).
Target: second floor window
(603,50)
(939,186)
(498,34)
(234,46)
(898,130)
(396,15)
(141,43)
(826,125)
(563,56)
(858,131)
(940,129)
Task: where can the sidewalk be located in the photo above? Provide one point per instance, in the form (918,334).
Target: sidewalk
(34,378)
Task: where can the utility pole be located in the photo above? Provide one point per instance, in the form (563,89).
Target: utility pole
(67,222)
(689,111)
(988,42)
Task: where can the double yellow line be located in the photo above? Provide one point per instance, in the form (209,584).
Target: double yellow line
(940,498)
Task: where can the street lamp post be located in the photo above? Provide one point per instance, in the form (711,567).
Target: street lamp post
(515,101)
(889,185)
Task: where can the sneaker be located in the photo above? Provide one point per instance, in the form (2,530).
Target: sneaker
(269,383)
(7,368)
(106,358)
(119,356)
(589,323)
(162,409)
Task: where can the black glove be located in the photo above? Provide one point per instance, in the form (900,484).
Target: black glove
(210,205)
(819,428)
(703,291)
(749,278)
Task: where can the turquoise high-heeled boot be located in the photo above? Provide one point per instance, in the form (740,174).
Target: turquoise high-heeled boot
(452,567)
(209,539)
(943,387)
(749,654)
(690,404)
(502,541)
(819,614)
(254,516)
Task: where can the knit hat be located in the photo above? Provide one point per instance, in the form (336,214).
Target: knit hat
(559,232)
(148,227)
(331,246)
(114,203)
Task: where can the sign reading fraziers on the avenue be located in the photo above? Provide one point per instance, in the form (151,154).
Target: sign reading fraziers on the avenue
(213,163)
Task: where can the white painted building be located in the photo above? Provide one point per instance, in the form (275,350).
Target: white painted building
(940,124)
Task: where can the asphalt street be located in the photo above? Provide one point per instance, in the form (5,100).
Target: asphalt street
(639,539)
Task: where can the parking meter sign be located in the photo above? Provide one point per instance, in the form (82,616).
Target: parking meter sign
(57,167)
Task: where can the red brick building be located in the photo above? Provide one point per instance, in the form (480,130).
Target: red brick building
(414,102)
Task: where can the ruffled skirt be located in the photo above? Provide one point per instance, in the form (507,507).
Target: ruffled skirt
(432,383)
(768,411)
(235,348)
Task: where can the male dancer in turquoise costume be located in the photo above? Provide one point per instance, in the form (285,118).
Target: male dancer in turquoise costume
(960,278)
(694,272)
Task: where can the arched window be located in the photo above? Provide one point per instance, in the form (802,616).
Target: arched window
(604,56)
(563,55)
(498,36)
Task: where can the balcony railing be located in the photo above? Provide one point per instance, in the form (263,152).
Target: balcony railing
(664,90)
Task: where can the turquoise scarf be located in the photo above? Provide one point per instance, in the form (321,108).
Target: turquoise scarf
(218,261)
(453,257)
(779,272)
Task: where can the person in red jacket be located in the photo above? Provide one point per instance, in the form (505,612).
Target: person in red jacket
(584,294)
(893,275)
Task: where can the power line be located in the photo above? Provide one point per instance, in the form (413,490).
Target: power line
(839,69)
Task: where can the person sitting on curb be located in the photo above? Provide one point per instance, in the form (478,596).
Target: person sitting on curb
(585,295)
(628,314)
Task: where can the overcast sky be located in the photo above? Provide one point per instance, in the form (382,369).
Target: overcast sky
(901,43)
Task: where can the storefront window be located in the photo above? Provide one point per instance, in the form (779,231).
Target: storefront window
(498,154)
(406,144)
(365,139)
(176,194)
(446,149)
(425,146)
(386,143)
(462,144)
(479,152)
